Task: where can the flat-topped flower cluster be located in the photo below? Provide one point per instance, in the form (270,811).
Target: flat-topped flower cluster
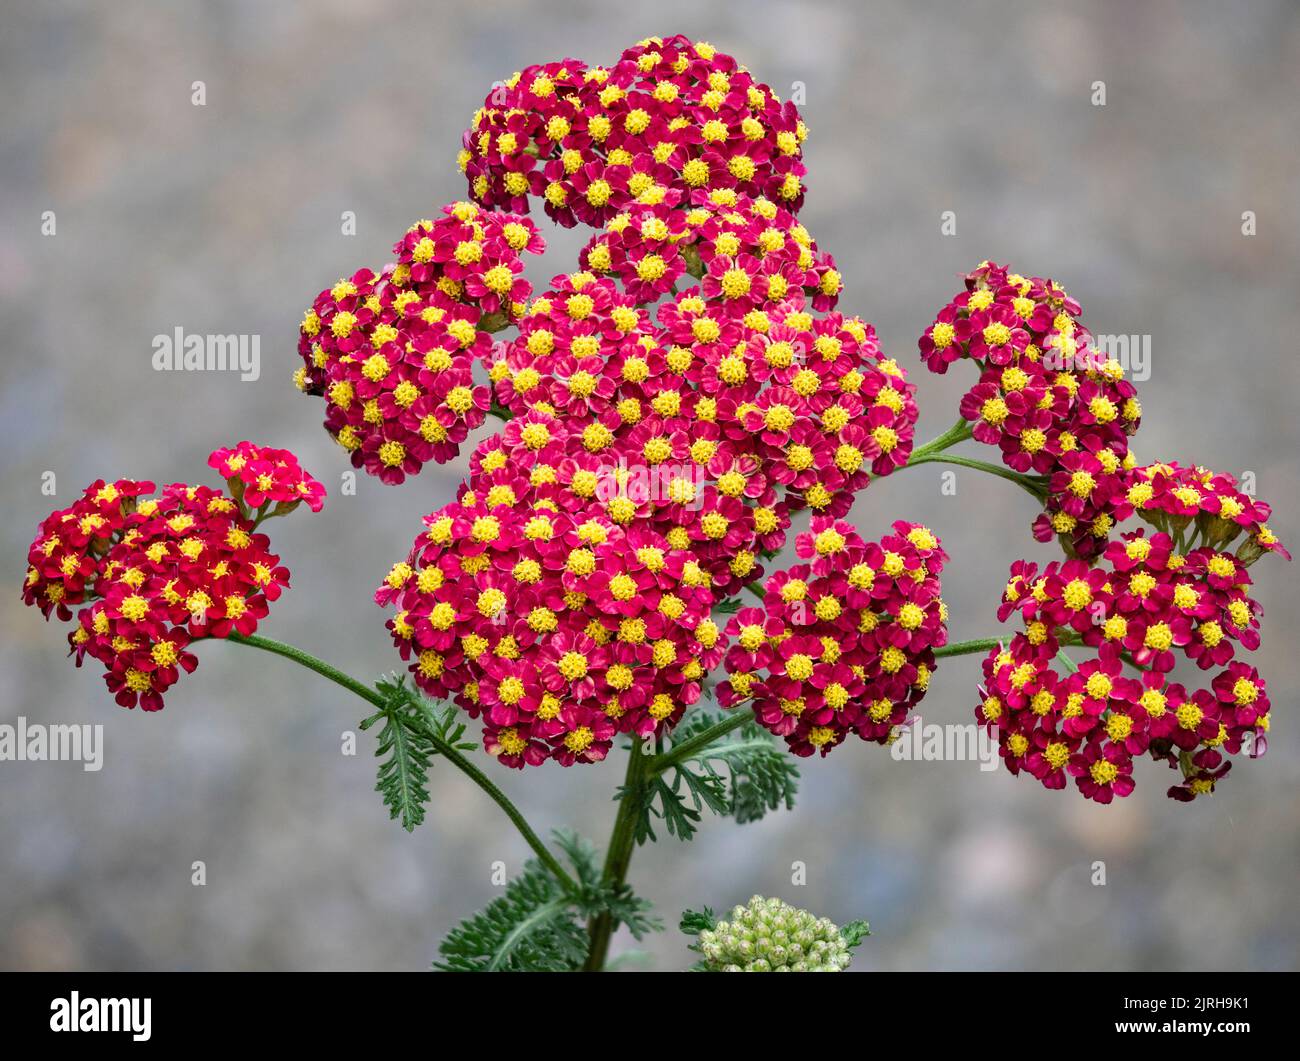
(147,576)
(672,405)
(1059,408)
(844,643)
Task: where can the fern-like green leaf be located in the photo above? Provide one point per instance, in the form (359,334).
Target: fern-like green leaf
(409,726)
(404,752)
(595,896)
(530,928)
(743,775)
(696,921)
(537,926)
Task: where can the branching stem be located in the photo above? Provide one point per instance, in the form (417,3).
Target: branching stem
(451,754)
(618,856)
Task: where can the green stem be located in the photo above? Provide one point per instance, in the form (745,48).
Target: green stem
(306,659)
(680,753)
(1030,484)
(959,432)
(756,590)
(987,644)
(965,648)
(451,754)
(618,856)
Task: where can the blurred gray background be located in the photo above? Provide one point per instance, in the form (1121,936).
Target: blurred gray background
(226,218)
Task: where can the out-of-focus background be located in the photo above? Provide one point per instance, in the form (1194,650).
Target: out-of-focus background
(226,218)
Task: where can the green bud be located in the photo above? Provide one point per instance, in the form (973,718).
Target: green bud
(768,935)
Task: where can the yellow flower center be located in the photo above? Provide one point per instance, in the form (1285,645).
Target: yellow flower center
(997,334)
(1159,637)
(1077,595)
(799,667)
(573,665)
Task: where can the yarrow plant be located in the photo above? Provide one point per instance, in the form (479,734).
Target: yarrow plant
(669,416)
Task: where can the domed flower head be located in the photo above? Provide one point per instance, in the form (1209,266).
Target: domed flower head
(1056,406)
(394,353)
(154,574)
(671,120)
(261,477)
(845,643)
(1143,607)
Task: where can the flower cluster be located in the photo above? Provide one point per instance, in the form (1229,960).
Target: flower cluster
(671,121)
(558,619)
(681,396)
(1054,404)
(1144,605)
(757,251)
(844,643)
(262,477)
(151,575)
(706,419)
(393,353)
(670,407)
(1061,413)
(771,936)
(1197,501)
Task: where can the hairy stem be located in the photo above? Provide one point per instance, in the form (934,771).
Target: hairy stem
(306,659)
(959,432)
(452,755)
(680,753)
(1065,640)
(965,648)
(618,856)
(1032,485)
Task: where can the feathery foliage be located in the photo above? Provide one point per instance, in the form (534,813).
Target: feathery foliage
(742,775)
(530,928)
(537,926)
(409,728)
(855,932)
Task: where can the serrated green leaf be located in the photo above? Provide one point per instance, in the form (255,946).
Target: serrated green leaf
(854,933)
(694,922)
(538,926)
(529,928)
(410,725)
(404,751)
(666,800)
(743,775)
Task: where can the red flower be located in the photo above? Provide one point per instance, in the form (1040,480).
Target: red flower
(1103,771)
(154,573)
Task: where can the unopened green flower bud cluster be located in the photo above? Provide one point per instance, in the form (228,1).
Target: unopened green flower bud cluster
(771,936)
